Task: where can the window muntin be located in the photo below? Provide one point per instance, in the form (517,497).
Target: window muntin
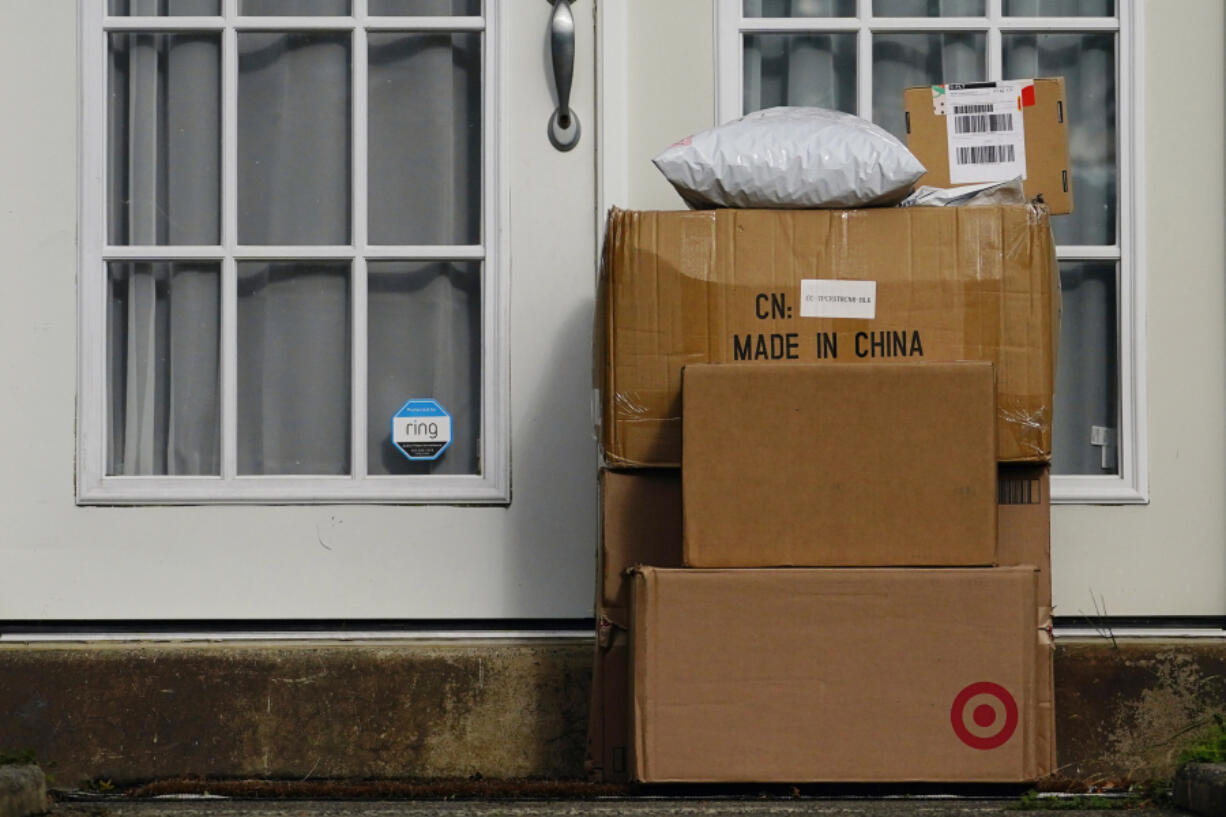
(1093,47)
(318,268)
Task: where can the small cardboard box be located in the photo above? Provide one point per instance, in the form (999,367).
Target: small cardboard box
(765,286)
(855,675)
(798,465)
(647,505)
(994,131)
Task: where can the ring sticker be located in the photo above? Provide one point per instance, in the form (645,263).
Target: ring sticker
(421,429)
(984,715)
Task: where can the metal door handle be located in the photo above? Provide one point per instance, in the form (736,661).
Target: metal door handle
(563,123)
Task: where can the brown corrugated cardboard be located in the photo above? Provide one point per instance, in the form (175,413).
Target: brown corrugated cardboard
(1044,122)
(1024,511)
(829,466)
(608,719)
(644,496)
(792,675)
(958,283)
(640,525)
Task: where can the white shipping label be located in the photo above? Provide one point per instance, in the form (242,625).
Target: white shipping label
(984,130)
(827,298)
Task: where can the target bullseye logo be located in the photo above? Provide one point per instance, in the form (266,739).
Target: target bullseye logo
(984,715)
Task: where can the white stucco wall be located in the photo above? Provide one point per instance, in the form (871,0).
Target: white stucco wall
(1170,556)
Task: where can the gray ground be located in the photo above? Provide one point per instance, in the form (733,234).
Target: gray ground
(579,808)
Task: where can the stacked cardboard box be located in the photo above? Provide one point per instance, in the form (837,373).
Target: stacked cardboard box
(845,571)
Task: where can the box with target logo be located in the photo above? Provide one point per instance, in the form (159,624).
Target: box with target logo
(852,675)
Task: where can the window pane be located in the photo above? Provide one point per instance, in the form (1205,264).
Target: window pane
(293,368)
(1087,63)
(163,8)
(162,355)
(425,8)
(903,60)
(817,70)
(928,8)
(424,340)
(164,130)
(800,8)
(1060,8)
(261,8)
(1087,384)
(293,138)
(425,138)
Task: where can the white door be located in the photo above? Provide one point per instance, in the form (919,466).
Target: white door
(284,202)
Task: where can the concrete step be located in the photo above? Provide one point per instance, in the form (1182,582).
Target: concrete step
(1201,788)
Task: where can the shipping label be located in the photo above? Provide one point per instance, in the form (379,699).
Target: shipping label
(826,298)
(984,129)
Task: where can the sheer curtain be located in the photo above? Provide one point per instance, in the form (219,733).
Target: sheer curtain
(820,69)
(816,70)
(163,317)
(424,337)
(294,190)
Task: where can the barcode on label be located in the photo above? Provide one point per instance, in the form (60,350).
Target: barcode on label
(984,123)
(973,109)
(986,154)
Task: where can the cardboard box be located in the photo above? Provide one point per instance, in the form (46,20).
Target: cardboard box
(643,498)
(718,286)
(1023,508)
(856,675)
(608,720)
(798,465)
(998,131)
(640,525)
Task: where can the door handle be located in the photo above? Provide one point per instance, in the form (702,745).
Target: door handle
(563,123)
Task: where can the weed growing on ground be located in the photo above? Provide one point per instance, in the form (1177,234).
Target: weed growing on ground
(1031,801)
(24,757)
(1209,749)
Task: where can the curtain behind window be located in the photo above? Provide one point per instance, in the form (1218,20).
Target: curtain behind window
(165,98)
(294,188)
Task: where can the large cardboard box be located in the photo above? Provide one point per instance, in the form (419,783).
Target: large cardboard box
(1023,510)
(608,723)
(994,131)
(863,675)
(645,507)
(797,465)
(640,524)
(912,284)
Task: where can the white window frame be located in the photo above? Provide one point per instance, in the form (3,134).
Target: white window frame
(94,486)
(1131,485)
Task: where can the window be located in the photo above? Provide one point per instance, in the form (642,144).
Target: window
(859,55)
(290,227)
